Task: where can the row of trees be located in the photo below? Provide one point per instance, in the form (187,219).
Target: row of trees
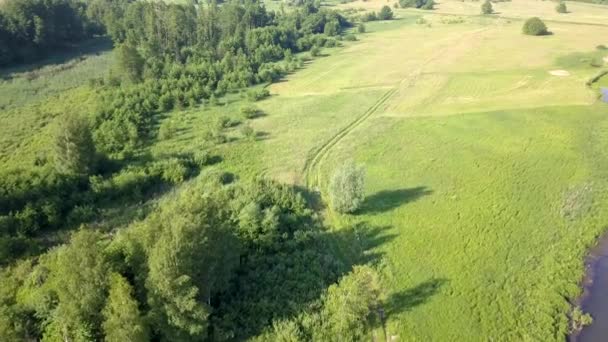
(216,262)
(180,56)
(31,29)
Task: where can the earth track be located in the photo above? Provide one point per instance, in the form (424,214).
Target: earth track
(312,179)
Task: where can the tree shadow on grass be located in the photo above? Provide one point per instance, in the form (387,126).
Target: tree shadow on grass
(413,297)
(387,200)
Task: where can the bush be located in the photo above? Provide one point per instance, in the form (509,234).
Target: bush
(167,130)
(257,95)
(315,51)
(535,27)
(75,152)
(386,13)
(371,16)
(361,28)
(346,189)
(429,5)
(250,112)
(561,8)
(350,37)
(486,8)
(248,132)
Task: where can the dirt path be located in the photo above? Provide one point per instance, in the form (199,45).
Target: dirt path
(312,174)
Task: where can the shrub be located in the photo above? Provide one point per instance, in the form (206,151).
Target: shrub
(74,148)
(346,188)
(486,8)
(535,27)
(166,130)
(386,13)
(370,17)
(315,51)
(173,171)
(350,37)
(561,8)
(166,102)
(202,158)
(579,319)
(248,132)
(257,94)
(429,5)
(361,28)
(250,112)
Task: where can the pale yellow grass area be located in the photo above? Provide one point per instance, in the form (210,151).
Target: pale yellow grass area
(518,9)
(450,69)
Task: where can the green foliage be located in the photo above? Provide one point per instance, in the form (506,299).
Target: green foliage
(351,306)
(69,287)
(347,188)
(535,27)
(167,130)
(315,51)
(129,63)
(257,94)
(193,259)
(250,112)
(248,132)
(122,319)
(428,5)
(361,28)
(385,13)
(423,4)
(561,7)
(486,8)
(579,319)
(31,29)
(74,148)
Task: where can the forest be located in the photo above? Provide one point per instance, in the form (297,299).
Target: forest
(216,260)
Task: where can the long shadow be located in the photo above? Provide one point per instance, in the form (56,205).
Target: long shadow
(413,297)
(93,46)
(307,266)
(387,200)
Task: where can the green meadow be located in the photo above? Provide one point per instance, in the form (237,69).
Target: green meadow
(484,151)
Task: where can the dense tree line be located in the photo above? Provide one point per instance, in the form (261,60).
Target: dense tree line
(168,56)
(216,262)
(30,29)
(175,56)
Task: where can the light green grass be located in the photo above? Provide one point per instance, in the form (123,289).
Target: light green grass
(34,95)
(486,174)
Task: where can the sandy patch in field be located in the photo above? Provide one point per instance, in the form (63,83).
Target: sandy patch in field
(606,59)
(560,73)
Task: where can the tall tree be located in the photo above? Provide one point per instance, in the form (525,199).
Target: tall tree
(129,63)
(122,319)
(74,148)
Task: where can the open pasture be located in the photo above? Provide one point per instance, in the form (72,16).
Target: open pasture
(484,151)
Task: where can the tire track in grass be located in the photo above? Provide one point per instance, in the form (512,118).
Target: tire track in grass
(312,178)
(312,174)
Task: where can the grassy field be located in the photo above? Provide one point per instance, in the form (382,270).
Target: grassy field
(486,172)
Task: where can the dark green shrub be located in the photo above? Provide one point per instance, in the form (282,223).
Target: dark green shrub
(315,51)
(429,5)
(561,7)
(386,13)
(258,94)
(535,27)
(361,28)
(350,37)
(250,112)
(486,8)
